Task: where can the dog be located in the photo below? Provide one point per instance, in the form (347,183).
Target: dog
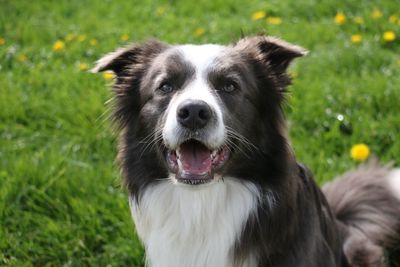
(211,176)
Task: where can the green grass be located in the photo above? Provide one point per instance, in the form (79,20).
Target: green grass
(61,203)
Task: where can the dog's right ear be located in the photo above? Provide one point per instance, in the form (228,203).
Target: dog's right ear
(124,58)
(114,61)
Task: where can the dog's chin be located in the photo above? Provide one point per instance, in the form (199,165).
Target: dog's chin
(193,163)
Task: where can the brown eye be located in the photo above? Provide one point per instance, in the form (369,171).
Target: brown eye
(229,87)
(166,87)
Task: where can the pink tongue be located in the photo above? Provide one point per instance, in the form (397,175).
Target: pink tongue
(195,158)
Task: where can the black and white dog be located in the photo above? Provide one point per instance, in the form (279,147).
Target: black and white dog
(212,178)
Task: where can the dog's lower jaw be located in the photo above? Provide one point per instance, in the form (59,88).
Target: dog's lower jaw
(190,185)
(181,227)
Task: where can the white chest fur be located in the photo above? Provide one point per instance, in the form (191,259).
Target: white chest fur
(188,227)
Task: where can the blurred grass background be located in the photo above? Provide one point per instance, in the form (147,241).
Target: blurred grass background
(61,203)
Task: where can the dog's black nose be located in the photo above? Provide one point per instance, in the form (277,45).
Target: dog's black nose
(193,114)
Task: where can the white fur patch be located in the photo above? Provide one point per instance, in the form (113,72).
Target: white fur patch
(394,182)
(186,226)
(201,57)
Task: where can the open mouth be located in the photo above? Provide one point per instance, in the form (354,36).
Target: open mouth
(194,163)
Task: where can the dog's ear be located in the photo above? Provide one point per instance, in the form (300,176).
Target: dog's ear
(124,58)
(114,61)
(271,51)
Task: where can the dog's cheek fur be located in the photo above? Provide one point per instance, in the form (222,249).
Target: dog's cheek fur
(135,112)
(140,157)
(257,113)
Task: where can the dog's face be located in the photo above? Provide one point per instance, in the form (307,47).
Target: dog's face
(203,111)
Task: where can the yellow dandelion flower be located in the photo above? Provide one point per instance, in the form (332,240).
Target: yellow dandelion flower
(70,37)
(340,18)
(22,58)
(93,42)
(376,14)
(199,31)
(124,37)
(81,37)
(274,20)
(83,66)
(161,10)
(258,15)
(393,19)
(2,41)
(58,46)
(108,75)
(356,38)
(389,36)
(359,20)
(360,152)
(293,74)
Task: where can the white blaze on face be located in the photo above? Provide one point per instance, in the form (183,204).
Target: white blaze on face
(201,57)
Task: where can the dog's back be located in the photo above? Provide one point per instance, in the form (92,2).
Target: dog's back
(366,203)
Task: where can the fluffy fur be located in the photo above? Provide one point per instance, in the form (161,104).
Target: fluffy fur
(189,217)
(364,206)
(259,206)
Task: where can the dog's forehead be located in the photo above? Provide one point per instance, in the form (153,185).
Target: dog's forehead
(201,57)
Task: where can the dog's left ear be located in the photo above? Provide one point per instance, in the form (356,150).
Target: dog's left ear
(128,57)
(271,51)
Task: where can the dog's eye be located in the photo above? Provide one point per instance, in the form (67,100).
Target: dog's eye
(166,87)
(229,87)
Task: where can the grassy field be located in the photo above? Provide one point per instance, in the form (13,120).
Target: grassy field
(61,203)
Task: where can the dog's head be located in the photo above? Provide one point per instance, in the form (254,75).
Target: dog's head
(195,113)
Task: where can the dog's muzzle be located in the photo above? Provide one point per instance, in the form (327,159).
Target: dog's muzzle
(195,160)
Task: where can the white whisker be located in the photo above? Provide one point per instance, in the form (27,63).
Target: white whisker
(150,141)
